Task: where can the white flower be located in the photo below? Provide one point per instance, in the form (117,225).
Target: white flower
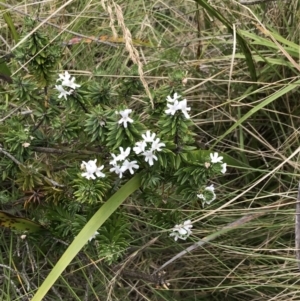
(62,91)
(129,165)
(123,154)
(125,118)
(183,107)
(182,231)
(118,170)
(174,105)
(156,145)
(91,169)
(172,108)
(175,97)
(224,168)
(64,77)
(93,236)
(66,81)
(149,156)
(209,197)
(148,146)
(114,160)
(215,158)
(148,137)
(140,147)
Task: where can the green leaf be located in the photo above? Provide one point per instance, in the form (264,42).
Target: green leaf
(9,22)
(89,229)
(10,221)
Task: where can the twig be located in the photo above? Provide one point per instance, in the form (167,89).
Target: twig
(253,2)
(13,111)
(297,228)
(7,154)
(51,150)
(156,278)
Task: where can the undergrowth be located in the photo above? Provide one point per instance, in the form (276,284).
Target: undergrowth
(237,67)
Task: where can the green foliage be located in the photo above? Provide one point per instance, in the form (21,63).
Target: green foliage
(15,138)
(130,84)
(65,220)
(90,192)
(114,238)
(100,93)
(50,137)
(117,135)
(38,53)
(25,89)
(95,124)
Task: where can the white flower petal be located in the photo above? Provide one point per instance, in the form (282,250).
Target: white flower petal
(115,159)
(183,107)
(129,165)
(149,157)
(172,108)
(62,91)
(118,170)
(93,236)
(210,188)
(156,145)
(124,154)
(140,147)
(224,168)
(174,98)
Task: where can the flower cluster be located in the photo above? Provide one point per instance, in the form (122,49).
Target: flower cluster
(148,146)
(121,164)
(66,81)
(91,169)
(174,105)
(182,231)
(208,195)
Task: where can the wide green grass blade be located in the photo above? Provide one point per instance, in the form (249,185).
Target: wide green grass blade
(89,229)
(13,222)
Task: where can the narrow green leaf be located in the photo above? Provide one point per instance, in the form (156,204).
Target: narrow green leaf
(9,22)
